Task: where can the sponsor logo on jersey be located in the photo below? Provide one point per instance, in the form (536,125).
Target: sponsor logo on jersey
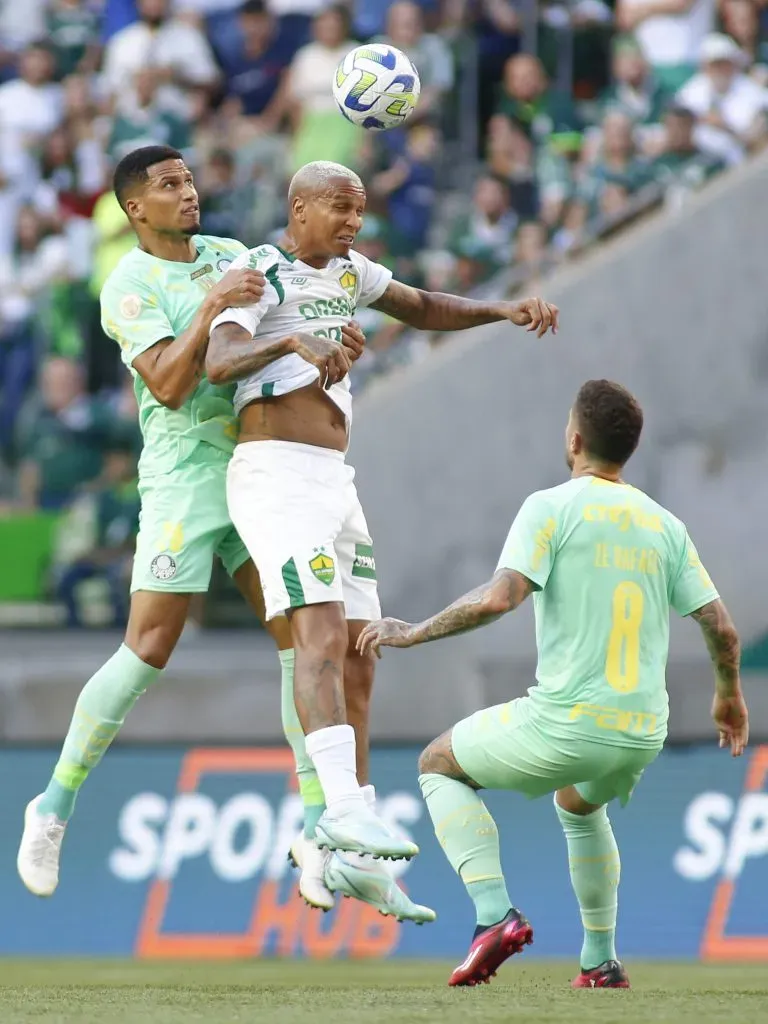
(163,567)
(130,306)
(348,282)
(323,568)
(299,282)
(207,269)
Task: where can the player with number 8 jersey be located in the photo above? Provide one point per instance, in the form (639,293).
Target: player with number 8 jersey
(605,563)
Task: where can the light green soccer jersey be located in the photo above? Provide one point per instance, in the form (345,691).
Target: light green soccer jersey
(608,562)
(143,301)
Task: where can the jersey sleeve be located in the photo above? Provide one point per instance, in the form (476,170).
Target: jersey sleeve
(132,315)
(373,279)
(529,547)
(691,586)
(249,317)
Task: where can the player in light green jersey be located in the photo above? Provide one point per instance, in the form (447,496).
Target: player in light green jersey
(605,564)
(158,305)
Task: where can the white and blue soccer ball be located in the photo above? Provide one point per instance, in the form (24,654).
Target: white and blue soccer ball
(376,87)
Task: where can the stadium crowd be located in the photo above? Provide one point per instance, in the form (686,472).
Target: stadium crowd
(616,99)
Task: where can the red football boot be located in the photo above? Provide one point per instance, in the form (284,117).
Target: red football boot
(491,948)
(611,974)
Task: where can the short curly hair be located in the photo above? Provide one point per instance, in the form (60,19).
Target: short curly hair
(610,420)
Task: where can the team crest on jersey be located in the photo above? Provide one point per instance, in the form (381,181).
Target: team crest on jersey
(130,306)
(323,568)
(163,567)
(348,282)
(224,264)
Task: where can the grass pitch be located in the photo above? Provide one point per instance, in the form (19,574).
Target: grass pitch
(297,992)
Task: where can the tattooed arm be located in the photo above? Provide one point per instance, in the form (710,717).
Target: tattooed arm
(233,354)
(481,606)
(729,710)
(722,642)
(436,311)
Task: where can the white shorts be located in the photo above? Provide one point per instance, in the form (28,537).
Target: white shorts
(296,509)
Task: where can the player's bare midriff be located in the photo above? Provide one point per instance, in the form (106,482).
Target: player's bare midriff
(306,416)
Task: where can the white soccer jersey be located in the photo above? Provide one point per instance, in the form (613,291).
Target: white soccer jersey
(296,298)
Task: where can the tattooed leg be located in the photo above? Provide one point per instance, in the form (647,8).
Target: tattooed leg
(438,759)
(320,645)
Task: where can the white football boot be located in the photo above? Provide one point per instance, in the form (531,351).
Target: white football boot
(312,861)
(40,850)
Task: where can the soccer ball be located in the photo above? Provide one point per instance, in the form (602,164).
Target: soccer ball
(376,87)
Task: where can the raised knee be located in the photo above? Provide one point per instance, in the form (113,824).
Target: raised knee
(426,761)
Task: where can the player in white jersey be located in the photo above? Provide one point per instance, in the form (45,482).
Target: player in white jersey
(291,493)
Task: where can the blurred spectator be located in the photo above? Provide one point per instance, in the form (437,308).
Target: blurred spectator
(38,260)
(115,500)
(681,161)
(72,30)
(319,132)
(408,188)
(61,441)
(541,114)
(21,23)
(729,106)
(72,176)
(495,27)
(232,207)
(113,238)
(430,54)
(670,34)
(31,105)
(142,120)
(741,21)
(634,91)
(510,155)
(532,258)
(175,51)
(487,230)
(255,68)
(613,177)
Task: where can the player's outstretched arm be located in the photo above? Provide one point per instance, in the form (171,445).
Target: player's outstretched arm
(437,311)
(173,367)
(729,710)
(233,353)
(501,594)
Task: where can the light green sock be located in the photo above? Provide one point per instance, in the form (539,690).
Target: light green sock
(593,858)
(99,713)
(470,840)
(309,785)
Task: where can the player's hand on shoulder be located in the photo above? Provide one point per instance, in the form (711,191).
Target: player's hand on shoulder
(535,314)
(384,633)
(353,339)
(241,287)
(330,358)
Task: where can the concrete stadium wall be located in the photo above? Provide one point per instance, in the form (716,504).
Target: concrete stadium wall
(446,451)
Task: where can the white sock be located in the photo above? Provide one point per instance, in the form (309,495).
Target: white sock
(369,795)
(332,751)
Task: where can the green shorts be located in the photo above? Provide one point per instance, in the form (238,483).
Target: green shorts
(183,523)
(503,747)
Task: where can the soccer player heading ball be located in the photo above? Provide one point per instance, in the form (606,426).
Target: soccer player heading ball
(605,563)
(290,491)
